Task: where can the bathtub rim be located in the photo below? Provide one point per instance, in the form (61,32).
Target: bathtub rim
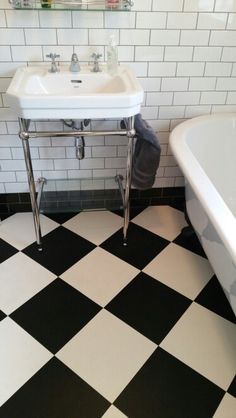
(201,184)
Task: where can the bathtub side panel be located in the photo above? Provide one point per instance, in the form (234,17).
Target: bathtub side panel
(216,252)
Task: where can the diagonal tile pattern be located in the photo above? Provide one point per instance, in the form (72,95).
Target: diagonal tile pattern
(138,331)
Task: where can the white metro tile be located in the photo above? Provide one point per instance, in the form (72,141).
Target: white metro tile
(178,53)
(21,356)
(213,97)
(187,273)
(5,53)
(100,275)
(95,226)
(134,37)
(87,19)
(106,353)
(232,21)
(20,279)
(225,6)
(113,412)
(206,342)
(182,20)
(207,53)
(72,36)
(18,230)
(27,53)
(162,69)
(223,38)
(40,37)
(151,20)
(22,18)
(227,407)
(194,37)
(174,84)
(189,69)
(218,69)
(202,83)
(229,54)
(149,53)
(165,37)
(186,98)
(2,19)
(199,6)
(212,20)
(119,20)
(101,36)
(57,19)
(161,220)
(11,37)
(168,5)
(140,5)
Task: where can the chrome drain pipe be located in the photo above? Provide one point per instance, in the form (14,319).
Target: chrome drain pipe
(77,125)
(79,147)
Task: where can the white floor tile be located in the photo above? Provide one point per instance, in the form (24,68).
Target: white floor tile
(21,356)
(161,220)
(227,407)
(95,226)
(206,342)
(100,275)
(18,230)
(180,269)
(20,279)
(106,353)
(113,412)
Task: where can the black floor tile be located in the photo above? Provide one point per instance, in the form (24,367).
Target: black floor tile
(149,306)
(55,392)
(2,315)
(61,249)
(232,388)
(61,217)
(189,240)
(142,247)
(6,250)
(212,297)
(167,388)
(55,314)
(133,211)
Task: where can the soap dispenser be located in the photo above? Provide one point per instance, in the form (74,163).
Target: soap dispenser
(112,56)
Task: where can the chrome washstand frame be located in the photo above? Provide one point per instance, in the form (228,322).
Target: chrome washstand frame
(25,135)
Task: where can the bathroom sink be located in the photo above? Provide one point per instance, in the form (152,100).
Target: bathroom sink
(35,93)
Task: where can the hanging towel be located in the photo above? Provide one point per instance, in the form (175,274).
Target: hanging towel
(146,156)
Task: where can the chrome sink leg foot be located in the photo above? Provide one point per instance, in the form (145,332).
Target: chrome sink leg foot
(131,135)
(35,210)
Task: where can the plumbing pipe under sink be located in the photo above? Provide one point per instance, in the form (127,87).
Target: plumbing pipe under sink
(79,141)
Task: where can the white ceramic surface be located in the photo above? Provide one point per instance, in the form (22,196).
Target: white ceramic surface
(36,93)
(205,149)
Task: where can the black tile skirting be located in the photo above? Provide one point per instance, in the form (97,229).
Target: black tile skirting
(92,199)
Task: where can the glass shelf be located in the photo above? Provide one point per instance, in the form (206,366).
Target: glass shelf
(73,195)
(81,5)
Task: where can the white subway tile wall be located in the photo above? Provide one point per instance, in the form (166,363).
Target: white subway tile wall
(183,52)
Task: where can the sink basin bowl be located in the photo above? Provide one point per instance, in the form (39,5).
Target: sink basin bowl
(35,93)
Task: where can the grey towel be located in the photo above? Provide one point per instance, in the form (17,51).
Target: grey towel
(146,156)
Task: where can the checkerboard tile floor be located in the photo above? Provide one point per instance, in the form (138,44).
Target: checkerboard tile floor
(92,329)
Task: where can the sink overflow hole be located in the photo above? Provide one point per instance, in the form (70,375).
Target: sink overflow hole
(76,81)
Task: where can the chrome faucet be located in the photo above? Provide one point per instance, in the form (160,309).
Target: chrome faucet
(96,68)
(54,67)
(74,65)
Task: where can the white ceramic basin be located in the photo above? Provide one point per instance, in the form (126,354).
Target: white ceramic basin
(35,93)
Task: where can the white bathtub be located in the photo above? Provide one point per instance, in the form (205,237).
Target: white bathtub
(205,149)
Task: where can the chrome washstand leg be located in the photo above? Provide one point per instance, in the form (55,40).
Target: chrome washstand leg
(131,135)
(35,210)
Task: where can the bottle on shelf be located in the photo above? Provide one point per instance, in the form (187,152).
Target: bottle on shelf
(112,56)
(114,4)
